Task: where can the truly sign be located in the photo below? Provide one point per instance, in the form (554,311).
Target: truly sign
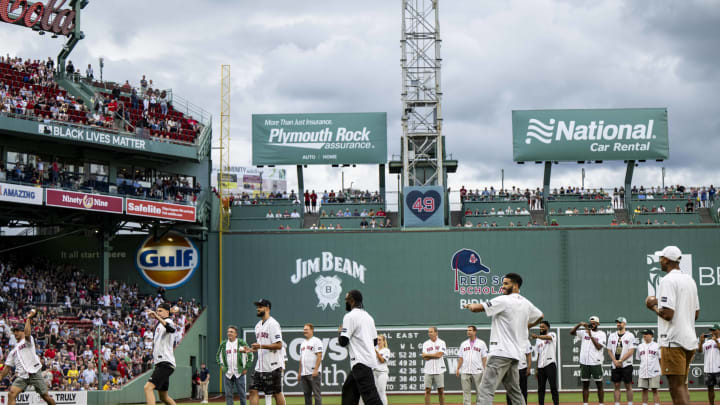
(571,135)
(48,17)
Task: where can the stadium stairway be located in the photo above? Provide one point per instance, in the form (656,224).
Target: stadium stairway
(705,216)
(622,215)
(79,90)
(537,216)
(309,219)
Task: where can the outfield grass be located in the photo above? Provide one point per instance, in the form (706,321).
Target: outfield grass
(573,397)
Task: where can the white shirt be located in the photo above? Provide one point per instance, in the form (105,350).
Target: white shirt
(649,356)
(231,353)
(383,367)
(523,361)
(308,355)
(434,366)
(511,315)
(163,343)
(24,358)
(359,327)
(589,355)
(546,350)
(711,355)
(626,344)
(267,333)
(472,354)
(677,291)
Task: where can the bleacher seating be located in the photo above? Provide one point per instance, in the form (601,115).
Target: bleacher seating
(350,222)
(583,219)
(500,221)
(352,207)
(260,211)
(669,204)
(493,204)
(264,224)
(667,218)
(562,205)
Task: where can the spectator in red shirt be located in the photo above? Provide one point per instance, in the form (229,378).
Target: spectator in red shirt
(307,201)
(50,353)
(313,200)
(463,193)
(380,212)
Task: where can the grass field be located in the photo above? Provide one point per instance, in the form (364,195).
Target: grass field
(698,397)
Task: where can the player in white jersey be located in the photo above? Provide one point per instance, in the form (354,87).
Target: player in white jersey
(648,352)
(620,348)
(433,351)
(270,360)
(545,348)
(163,356)
(677,310)
(709,346)
(512,316)
(26,362)
(380,372)
(524,367)
(591,356)
(311,353)
(471,363)
(359,334)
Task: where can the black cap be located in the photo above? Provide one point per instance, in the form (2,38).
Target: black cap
(648,332)
(262,302)
(18,326)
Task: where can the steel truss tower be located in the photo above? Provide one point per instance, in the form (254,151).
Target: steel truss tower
(422,146)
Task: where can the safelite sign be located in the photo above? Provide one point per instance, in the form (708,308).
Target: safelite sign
(175,212)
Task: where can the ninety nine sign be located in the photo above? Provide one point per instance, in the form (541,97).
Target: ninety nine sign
(572,135)
(83,201)
(46,17)
(345,138)
(175,212)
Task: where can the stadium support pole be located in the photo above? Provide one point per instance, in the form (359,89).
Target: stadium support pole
(106,249)
(546,187)
(628,186)
(301,182)
(99,359)
(381,181)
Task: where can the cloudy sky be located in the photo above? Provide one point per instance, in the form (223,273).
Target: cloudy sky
(340,56)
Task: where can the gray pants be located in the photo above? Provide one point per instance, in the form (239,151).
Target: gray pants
(467,380)
(236,383)
(311,388)
(500,369)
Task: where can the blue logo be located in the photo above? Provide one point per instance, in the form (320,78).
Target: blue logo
(469,277)
(468,262)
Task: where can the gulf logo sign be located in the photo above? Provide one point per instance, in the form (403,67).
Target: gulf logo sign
(167,262)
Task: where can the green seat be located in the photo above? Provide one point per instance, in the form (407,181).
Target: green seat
(264,224)
(260,211)
(350,222)
(678,219)
(500,220)
(668,204)
(334,207)
(496,204)
(590,219)
(579,204)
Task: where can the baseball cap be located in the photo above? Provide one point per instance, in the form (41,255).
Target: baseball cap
(715,327)
(18,326)
(671,253)
(647,332)
(621,319)
(594,318)
(262,302)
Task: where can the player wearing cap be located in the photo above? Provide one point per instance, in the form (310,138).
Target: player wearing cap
(591,356)
(524,367)
(269,347)
(471,363)
(620,347)
(433,351)
(648,352)
(26,362)
(359,334)
(163,356)
(677,310)
(311,352)
(709,346)
(546,349)
(512,316)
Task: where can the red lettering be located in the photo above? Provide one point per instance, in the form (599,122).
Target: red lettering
(33,10)
(63,21)
(6,9)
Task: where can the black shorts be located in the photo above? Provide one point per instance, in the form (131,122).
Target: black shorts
(712,379)
(161,376)
(624,374)
(269,383)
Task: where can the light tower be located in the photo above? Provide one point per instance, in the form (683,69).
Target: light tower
(422,143)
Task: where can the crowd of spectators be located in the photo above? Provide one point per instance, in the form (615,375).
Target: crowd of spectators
(170,188)
(586,211)
(355,213)
(72,309)
(499,212)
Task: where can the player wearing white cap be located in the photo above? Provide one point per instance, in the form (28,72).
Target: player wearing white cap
(620,347)
(709,346)
(677,310)
(591,356)
(512,316)
(433,351)
(546,349)
(648,352)
(471,363)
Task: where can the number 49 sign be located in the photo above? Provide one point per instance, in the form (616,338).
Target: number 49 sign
(423,206)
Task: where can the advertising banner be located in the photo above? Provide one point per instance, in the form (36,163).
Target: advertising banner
(332,138)
(154,209)
(83,201)
(574,135)
(21,194)
(61,398)
(423,206)
(252,180)
(92,135)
